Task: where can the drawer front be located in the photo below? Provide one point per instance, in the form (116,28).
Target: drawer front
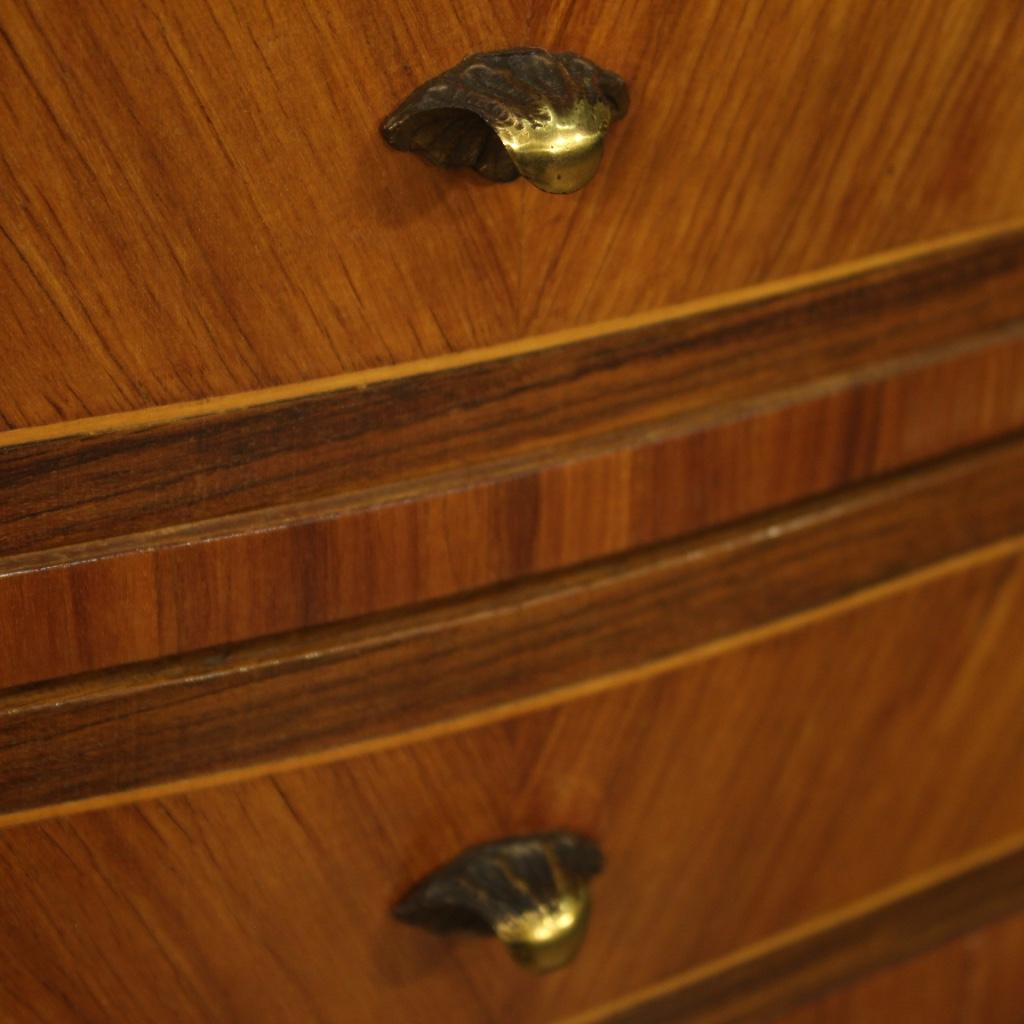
(758,786)
(196,201)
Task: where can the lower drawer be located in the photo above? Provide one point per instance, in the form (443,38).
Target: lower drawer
(756,785)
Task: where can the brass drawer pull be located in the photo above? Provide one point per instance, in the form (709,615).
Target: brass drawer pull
(529,891)
(530,112)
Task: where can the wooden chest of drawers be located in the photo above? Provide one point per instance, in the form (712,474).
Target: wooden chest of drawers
(356,513)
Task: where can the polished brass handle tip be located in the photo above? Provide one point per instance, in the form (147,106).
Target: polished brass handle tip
(529,891)
(514,112)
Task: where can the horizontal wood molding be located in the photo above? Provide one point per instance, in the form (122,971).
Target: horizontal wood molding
(328,690)
(181,534)
(776,975)
(522,411)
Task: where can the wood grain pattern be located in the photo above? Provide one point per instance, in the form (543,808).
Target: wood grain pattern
(413,489)
(195,201)
(975,980)
(742,794)
(329,690)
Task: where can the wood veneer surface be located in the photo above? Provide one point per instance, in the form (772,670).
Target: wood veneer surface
(737,796)
(195,201)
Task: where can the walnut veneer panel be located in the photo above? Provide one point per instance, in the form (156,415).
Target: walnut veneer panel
(378,680)
(194,199)
(764,785)
(978,979)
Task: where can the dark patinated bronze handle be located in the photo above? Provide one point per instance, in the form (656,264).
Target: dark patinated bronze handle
(529,891)
(514,112)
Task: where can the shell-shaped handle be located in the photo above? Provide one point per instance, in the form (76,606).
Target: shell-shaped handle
(529,891)
(514,112)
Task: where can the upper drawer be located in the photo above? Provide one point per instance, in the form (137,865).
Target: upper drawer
(195,199)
